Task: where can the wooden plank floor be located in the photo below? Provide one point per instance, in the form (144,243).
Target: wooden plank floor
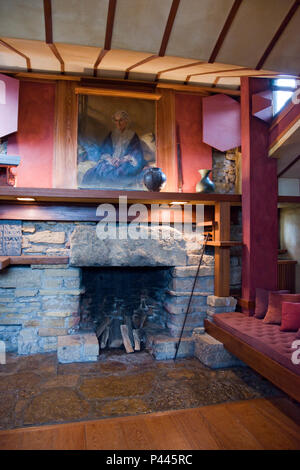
(272,424)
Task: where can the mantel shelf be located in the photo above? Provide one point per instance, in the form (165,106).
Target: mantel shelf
(5,261)
(224,244)
(93,196)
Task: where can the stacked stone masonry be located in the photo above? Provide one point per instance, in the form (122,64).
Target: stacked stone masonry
(40,304)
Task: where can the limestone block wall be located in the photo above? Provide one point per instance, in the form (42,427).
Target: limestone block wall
(38,303)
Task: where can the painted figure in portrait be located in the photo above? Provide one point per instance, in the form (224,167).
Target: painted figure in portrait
(114,151)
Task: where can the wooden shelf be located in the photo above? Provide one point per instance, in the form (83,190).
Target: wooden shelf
(24,260)
(99,196)
(224,244)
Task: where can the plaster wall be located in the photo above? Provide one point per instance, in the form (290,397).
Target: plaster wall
(290,236)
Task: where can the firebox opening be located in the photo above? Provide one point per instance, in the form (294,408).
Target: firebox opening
(124,304)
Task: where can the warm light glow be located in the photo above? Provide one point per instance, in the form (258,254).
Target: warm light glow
(25,199)
(178,203)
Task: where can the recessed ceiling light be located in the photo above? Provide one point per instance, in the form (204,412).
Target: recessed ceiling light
(178,203)
(25,199)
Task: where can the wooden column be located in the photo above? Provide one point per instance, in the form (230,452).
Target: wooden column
(65,155)
(222,254)
(259,197)
(166,139)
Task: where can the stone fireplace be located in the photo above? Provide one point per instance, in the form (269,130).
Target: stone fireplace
(59,308)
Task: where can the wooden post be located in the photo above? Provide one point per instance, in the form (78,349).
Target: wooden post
(259,197)
(222,254)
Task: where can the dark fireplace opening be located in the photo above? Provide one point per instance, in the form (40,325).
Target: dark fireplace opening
(124,304)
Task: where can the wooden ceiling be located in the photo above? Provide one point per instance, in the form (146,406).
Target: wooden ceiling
(199,42)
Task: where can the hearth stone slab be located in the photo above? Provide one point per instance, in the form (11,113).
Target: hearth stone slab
(191,271)
(186,284)
(212,353)
(163,347)
(88,250)
(82,347)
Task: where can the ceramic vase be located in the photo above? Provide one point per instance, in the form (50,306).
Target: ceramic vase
(154,179)
(205,185)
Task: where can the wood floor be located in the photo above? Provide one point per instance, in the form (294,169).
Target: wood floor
(254,424)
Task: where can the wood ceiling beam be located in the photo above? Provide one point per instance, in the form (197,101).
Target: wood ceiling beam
(168,28)
(164,42)
(141,62)
(192,64)
(188,77)
(225,29)
(8,46)
(49,34)
(108,33)
(278,34)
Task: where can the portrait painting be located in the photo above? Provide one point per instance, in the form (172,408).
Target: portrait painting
(116,141)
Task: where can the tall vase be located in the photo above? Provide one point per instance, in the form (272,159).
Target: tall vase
(205,185)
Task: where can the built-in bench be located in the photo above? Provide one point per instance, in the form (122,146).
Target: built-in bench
(261,346)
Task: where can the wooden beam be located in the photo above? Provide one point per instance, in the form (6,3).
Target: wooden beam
(278,34)
(58,56)
(222,253)
(48,21)
(198,89)
(49,34)
(192,64)
(137,64)
(61,195)
(224,244)
(168,85)
(122,93)
(289,166)
(108,34)
(44,259)
(110,23)
(166,139)
(213,72)
(169,26)
(225,30)
(8,46)
(65,152)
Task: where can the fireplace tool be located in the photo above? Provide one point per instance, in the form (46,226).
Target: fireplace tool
(191,295)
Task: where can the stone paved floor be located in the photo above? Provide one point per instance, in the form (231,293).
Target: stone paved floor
(37,390)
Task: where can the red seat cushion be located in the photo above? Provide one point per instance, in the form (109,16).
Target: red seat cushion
(268,339)
(290,316)
(273,314)
(262,301)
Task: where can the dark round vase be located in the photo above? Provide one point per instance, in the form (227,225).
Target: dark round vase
(154,179)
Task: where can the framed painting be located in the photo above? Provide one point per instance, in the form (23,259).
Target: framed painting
(116,141)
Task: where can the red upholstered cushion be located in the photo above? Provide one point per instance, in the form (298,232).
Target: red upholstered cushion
(290,320)
(273,314)
(262,301)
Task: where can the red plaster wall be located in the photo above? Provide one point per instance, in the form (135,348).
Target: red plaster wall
(195,154)
(34,141)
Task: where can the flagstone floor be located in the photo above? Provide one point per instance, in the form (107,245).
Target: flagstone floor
(36,390)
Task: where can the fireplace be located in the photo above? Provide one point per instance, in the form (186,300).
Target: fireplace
(142,283)
(123,305)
